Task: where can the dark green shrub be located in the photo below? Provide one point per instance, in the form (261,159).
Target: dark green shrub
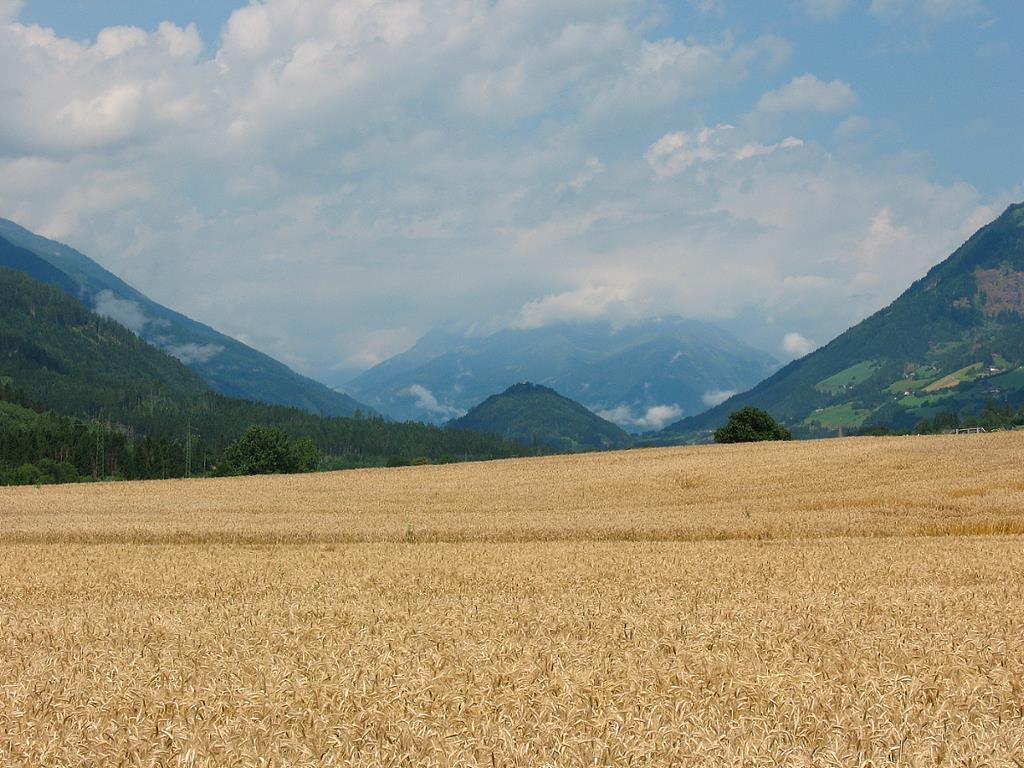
(27,474)
(751,425)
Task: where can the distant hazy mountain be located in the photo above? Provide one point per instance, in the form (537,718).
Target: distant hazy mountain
(640,376)
(953,342)
(227,365)
(539,416)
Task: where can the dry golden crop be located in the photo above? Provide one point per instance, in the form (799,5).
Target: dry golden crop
(838,603)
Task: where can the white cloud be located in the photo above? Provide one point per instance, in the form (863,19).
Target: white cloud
(109,117)
(664,72)
(131,315)
(192,353)
(853,127)
(585,303)
(9,9)
(797,345)
(883,240)
(715,397)
(658,416)
(653,418)
(399,164)
(127,86)
(248,31)
(426,400)
(756,149)
(127,313)
(115,41)
(677,152)
(180,43)
(673,153)
(807,93)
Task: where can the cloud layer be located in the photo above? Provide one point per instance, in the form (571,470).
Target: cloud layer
(328,180)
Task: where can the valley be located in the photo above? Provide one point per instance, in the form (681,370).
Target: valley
(950,350)
(511,384)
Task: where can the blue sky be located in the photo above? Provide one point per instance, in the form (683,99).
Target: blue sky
(328,180)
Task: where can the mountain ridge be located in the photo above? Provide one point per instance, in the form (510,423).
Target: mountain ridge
(951,341)
(226,364)
(57,356)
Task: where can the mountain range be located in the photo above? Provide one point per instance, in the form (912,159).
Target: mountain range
(227,365)
(60,359)
(639,376)
(952,343)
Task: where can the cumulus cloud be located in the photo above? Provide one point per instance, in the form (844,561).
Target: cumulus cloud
(427,401)
(807,93)
(677,152)
(652,418)
(714,397)
(401,164)
(797,345)
(180,43)
(673,153)
(128,85)
(659,73)
(883,239)
(9,8)
(657,416)
(127,313)
(115,41)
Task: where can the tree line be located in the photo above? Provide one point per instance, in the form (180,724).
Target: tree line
(39,446)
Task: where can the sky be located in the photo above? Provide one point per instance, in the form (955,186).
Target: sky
(328,180)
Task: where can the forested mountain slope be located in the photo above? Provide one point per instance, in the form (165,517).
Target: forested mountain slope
(228,366)
(56,355)
(953,342)
(536,415)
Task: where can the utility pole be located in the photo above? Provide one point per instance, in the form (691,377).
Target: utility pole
(100,459)
(188,448)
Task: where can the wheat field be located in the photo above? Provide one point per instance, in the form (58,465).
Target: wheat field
(855,602)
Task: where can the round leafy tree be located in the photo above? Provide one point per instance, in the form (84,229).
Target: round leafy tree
(269,450)
(751,425)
